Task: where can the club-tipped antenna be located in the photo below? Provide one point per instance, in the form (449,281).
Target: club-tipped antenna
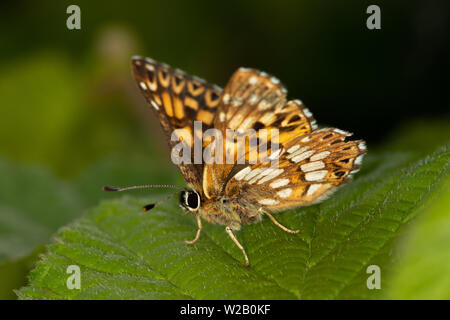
(147,186)
(152,205)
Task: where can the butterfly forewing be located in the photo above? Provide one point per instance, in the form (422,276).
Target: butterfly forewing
(178,99)
(246,96)
(254,102)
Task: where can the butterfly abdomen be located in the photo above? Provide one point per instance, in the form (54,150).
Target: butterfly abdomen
(230,212)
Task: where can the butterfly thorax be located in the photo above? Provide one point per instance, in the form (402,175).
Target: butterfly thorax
(224,210)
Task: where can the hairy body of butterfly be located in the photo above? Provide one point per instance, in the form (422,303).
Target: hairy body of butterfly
(232,212)
(312,163)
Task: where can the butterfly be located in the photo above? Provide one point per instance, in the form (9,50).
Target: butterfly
(311,162)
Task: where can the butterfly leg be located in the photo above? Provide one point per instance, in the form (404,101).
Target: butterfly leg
(230,233)
(199,223)
(279,224)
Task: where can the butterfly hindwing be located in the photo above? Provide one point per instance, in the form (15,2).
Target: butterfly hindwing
(310,167)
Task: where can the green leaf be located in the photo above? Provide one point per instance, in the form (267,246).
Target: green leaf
(128,254)
(34,204)
(424,270)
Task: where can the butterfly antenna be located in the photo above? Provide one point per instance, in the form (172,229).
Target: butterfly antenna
(152,205)
(147,186)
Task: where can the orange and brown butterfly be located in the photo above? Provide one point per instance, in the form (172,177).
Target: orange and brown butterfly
(312,162)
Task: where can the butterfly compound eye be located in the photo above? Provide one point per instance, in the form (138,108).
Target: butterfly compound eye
(190,200)
(193,200)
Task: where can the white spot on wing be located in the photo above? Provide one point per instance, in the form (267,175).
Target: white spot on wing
(359,159)
(275,154)
(241,174)
(264,105)
(306,139)
(236,102)
(313,188)
(155,105)
(297,152)
(222,117)
(253,173)
(253,99)
(345,133)
(292,149)
(271,175)
(303,156)
(307,112)
(362,146)
(268,202)
(320,156)
(263,173)
(312,166)
(143,85)
(253,80)
(279,183)
(284,193)
(315,175)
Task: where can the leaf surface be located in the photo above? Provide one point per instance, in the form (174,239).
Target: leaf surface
(125,253)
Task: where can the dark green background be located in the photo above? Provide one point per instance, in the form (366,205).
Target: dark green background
(361,80)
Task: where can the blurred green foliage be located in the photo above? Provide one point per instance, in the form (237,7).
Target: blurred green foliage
(427,258)
(62,121)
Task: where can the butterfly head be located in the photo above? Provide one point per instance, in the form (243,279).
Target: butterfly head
(190,200)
